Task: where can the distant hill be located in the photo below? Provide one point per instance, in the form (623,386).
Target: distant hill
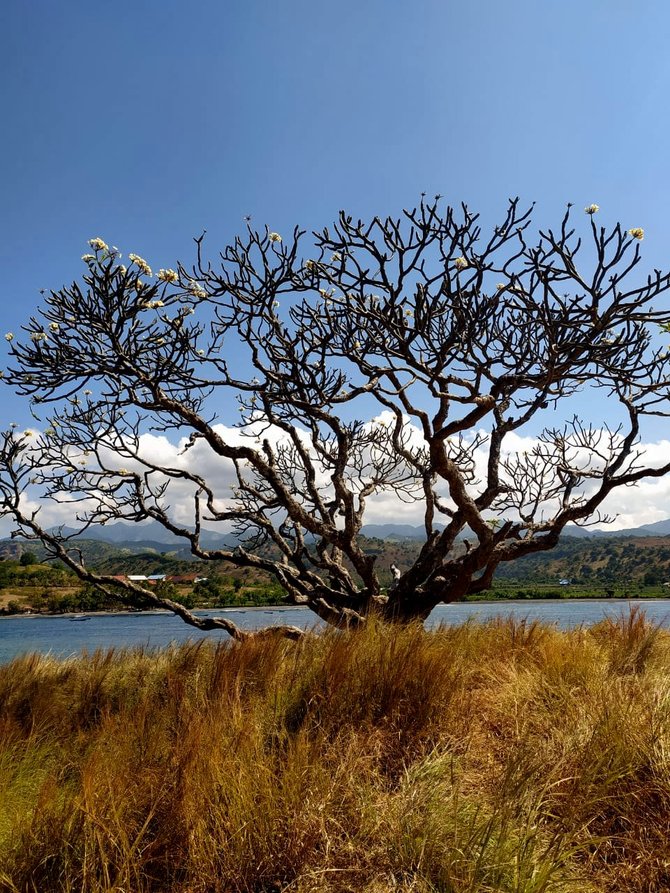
(153,536)
(658,528)
(595,556)
(150,535)
(393,532)
(399,532)
(599,559)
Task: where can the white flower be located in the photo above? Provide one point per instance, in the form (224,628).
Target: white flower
(53,326)
(201,353)
(274,237)
(275,303)
(591,209)
(140,263)
(38,336)
(196,290)
(167,275)
(9,336)
(87,392)
(335,256)
(28,433)
(311,265)
(88,258)
(637,233)
(98,245)
(123,471)
(461,263)
(49,432)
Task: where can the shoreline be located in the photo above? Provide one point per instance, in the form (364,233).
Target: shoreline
(271,609)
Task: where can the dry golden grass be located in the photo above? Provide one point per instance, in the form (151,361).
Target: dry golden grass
(503,757)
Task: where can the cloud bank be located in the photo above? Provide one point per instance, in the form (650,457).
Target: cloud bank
(643,503)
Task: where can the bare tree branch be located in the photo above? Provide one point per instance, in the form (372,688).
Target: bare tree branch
(383,362)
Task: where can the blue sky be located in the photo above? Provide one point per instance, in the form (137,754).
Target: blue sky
(147,122)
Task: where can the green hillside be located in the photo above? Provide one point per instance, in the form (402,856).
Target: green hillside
(595,567)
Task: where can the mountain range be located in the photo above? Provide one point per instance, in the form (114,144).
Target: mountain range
(149,535)
(409,532)
(153,536)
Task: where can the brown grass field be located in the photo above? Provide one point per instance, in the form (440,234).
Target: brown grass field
(499,757)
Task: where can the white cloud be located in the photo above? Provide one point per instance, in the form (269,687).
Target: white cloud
(644,503)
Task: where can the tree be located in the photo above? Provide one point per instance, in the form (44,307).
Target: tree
(381,362)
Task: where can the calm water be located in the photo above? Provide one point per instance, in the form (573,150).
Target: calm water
(61,636)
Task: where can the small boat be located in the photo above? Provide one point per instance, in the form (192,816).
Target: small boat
(79,617)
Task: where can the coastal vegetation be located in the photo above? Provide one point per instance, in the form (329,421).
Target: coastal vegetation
(507,757)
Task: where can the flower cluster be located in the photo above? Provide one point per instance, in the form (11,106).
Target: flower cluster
(591,209)
(196,290)
(38,336)
(53,326)
(88,258)
(98,245)
(167,275)
(141,263)
(9,336)
(637,233)
(153,305)
(310,265)
(461,263)
(274,237)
